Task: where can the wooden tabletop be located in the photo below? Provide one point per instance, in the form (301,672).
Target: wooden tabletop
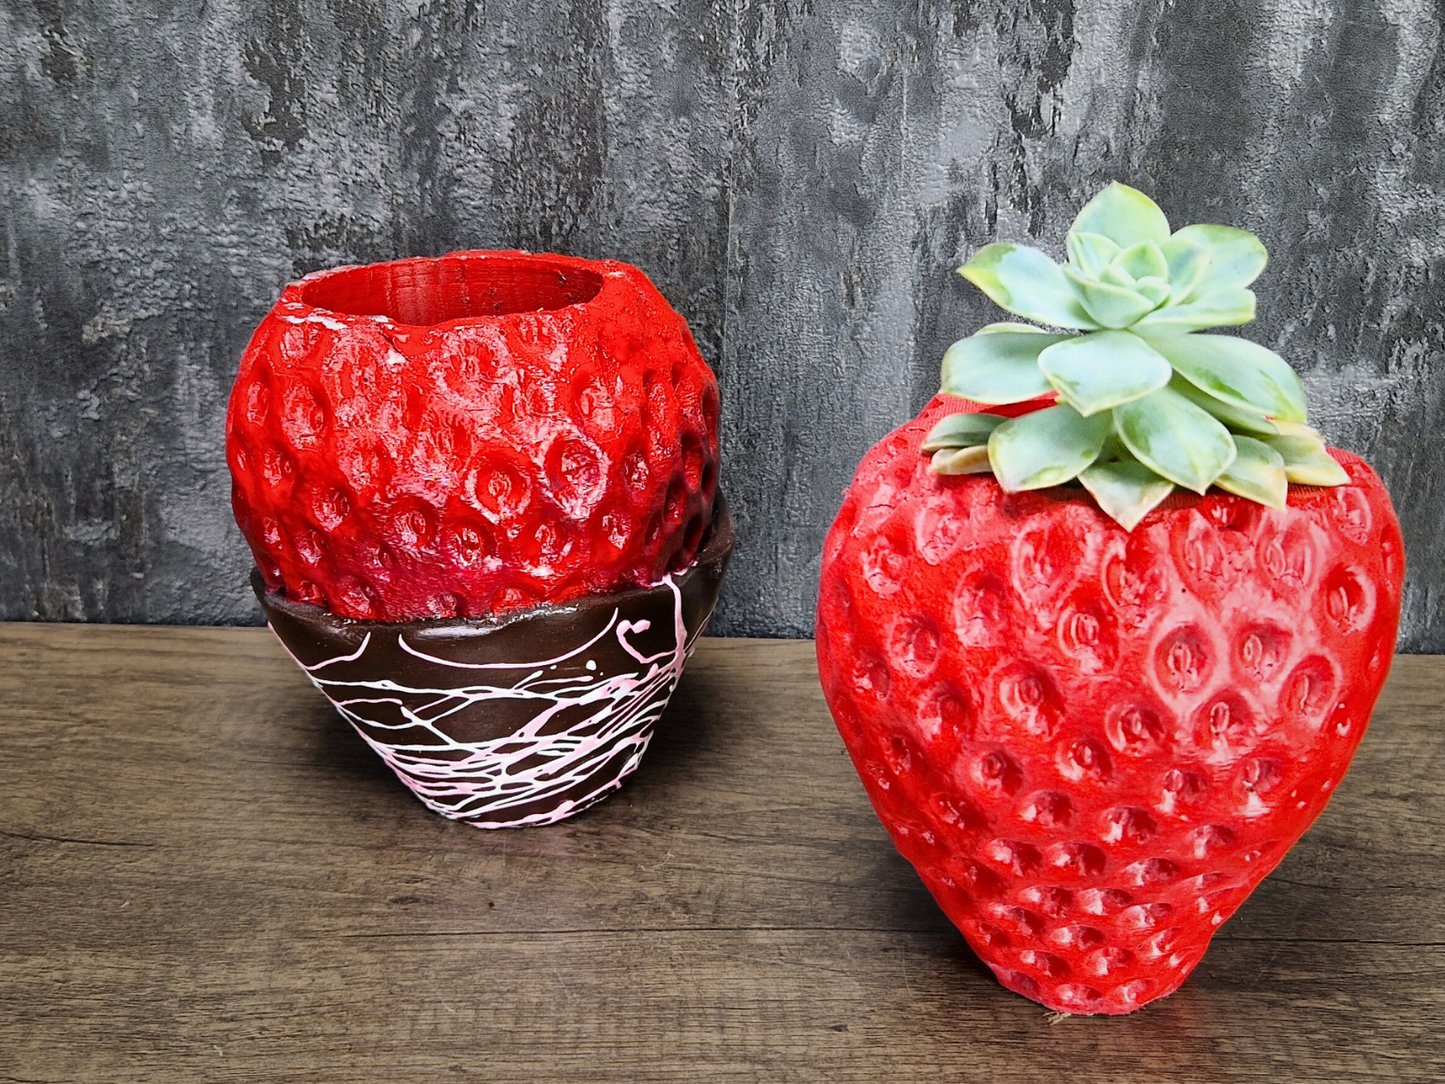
(205,876)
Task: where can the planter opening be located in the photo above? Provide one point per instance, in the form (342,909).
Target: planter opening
(423,292)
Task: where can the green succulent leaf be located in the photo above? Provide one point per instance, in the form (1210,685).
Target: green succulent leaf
(1143,260)
(1090,252)
(1127,491)
(1307,463)
(1113,275)
(1236,257)
(1175,439)
(1026,283)
(972,460)
(1244,421)
(1298,429)
(1188,261)
(1008,325)
(1223,308)
(1156,290)
(1103,369)
(962,431)
(1045,448)
(1257,473)
(1001,367)
(1238,372)
(1124,215)
(1109,305)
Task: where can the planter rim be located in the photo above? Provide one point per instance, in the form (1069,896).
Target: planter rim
(613,275)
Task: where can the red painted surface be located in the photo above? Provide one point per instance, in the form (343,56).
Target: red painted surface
(470,434)
(1093,744)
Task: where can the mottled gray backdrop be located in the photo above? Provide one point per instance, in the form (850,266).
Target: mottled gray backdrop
(799,178)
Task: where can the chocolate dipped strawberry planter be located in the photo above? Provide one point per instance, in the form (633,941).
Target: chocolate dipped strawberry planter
(481,492)
(1104,625)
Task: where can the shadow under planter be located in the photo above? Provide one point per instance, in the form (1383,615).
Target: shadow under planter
(522,719)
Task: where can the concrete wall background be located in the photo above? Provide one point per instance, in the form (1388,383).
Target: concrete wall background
(799,178)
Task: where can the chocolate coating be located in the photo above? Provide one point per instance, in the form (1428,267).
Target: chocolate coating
(522,718)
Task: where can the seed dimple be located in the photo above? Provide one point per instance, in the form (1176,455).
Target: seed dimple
(980,609)
(1133,730)
(1053,902)
(303,415)
(899,754)
(329,507)
(1287,559)
(1161,944)
(258,401)
(1151,871)
(1260,650)
(1016,919)
(635,472)
(1124,825)
(1229,724)
(942,711)
(1210,838)
(1309,692)
(997,772)
(1103,901)
(467,544)
(310,546)
(1145,916)
(1351,512)
(1019,859)
(1077,860)
(1132,993)
(914,644)
(1078,995)
(308,592)
(1349,601)
(882,567)
(277,467)
(1182,788)
(577,475)
(1028,698)
(1047,809)
(412,528)
(1261,775)
(1045,962)
(1108,961)
(1078,938)
(1181,662)
(1084,759)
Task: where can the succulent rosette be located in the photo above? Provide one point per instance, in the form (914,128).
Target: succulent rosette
(1145,400)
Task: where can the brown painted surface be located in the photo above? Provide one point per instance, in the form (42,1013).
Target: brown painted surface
(204,875)
(450,673)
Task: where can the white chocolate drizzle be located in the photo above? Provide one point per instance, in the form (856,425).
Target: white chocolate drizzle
(487,783)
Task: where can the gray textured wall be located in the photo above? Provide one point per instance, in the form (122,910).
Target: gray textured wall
(798,178)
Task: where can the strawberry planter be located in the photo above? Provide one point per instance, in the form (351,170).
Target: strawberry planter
(1101,655)
(481,492)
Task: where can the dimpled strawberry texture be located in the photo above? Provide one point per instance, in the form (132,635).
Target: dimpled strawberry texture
(393,473)
(1092,744)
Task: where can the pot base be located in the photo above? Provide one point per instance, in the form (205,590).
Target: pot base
(520,720)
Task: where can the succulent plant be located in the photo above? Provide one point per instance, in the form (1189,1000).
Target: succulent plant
(1144,401)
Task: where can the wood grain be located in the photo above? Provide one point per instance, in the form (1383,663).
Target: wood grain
(205,875)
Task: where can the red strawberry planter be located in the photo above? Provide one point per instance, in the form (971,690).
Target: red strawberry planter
(1093,744)
(481,491)
(1098,656)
